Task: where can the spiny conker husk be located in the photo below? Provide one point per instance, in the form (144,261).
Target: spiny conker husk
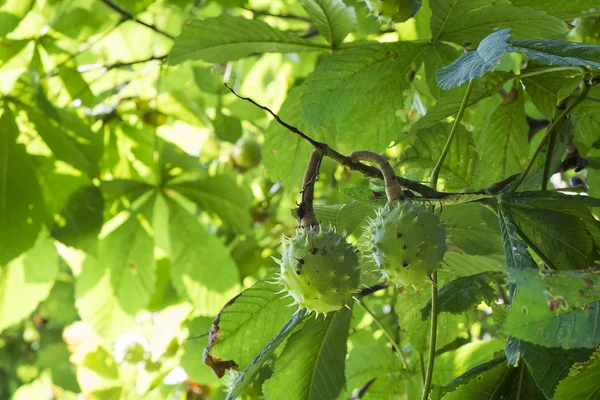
(319,270)
(406,241)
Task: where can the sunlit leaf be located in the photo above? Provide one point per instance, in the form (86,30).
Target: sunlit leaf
(228,38)
(470,21)
(21,202)
(247,323)
(219,195)
(333,18)
(265,354)
(27,280)
(357,99)
(118,282)
(202,270)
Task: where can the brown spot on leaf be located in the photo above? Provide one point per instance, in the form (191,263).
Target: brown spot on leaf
(583,294)
(132,267)
(218,365)
(554,302)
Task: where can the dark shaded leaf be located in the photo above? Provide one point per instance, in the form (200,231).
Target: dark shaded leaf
(463,293)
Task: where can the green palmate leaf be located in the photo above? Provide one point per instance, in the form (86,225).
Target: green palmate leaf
(582,380)
(555,308)
(438,56)
(470,21)
(574,206)
(463,293)
(82,218)
(345,217)
(505,147)
(202,270)
(15,57)
(473,228)
(558,7)
(550,200)
(228,38)
(368,359)
(517,255)
(21,202)
(227,128)
(118,283)
(38,389)
(588,28)
(358,99)
(11,14)
(561,238)
(60,303)
(465,264)
(246,325)
(366,195)
(548,366)
(333,18)
(69,139)
(311,365)
(27,280)
(98,374)
(282,149)
(559,52)
(548,89)
(408,307)
(492,380)
(449,103)
(475,64)
(594,172)
(265,354)
(454,363)
(128,188)
(480,382)
(588,122)
(424,149)
(221,196)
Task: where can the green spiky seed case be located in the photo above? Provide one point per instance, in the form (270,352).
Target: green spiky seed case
(319,270)
(407,242)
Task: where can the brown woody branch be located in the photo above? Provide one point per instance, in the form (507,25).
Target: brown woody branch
(370,171)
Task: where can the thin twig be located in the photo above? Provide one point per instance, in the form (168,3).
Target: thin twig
(306,212)
(95,67)
(127,15)
(372,289)
(372,172)
(264,13)
(585,88)
(83,49)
